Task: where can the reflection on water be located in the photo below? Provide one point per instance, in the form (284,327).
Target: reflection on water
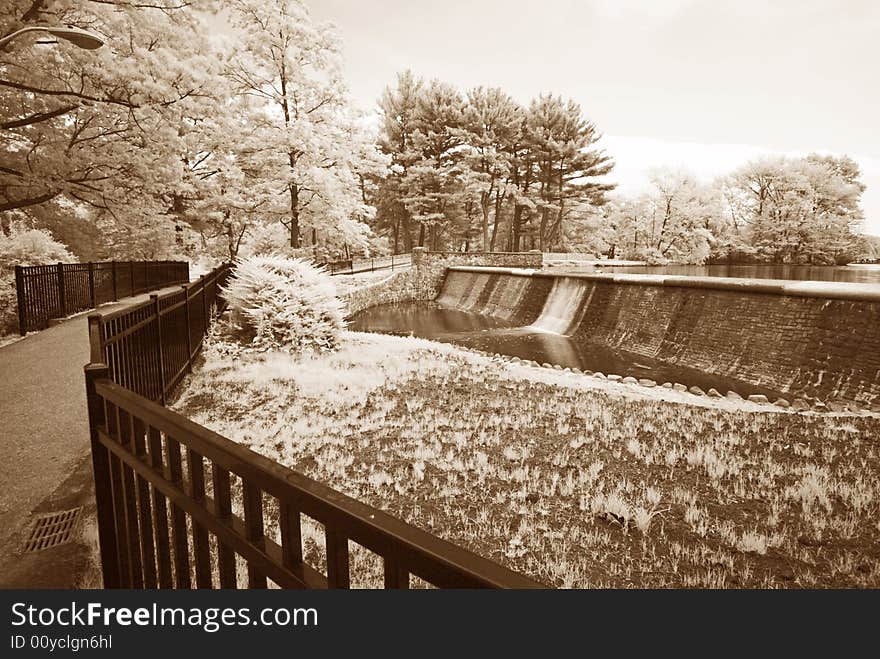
(429,320)
(864,274)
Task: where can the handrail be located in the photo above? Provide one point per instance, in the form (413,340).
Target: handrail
(429,557)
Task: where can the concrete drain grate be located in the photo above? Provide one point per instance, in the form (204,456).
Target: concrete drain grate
(52,530)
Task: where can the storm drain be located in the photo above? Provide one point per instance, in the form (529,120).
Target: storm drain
(52,529)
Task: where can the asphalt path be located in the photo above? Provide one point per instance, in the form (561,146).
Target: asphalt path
(43,419)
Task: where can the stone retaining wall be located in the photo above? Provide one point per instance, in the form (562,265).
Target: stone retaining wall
(425,278)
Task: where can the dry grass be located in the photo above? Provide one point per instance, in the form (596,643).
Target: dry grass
(575,481)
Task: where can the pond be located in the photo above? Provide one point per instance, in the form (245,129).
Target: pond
(429,320)
(856,273)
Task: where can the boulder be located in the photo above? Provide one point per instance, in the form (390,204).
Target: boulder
(679,387)
(759,398)
(696,391)
(614,377)
(666,385)
(630,380)
(732,395)
(647,382)
(714,393)
(599,374)
(781,402)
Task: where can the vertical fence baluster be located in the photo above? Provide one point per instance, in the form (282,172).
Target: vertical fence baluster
(178,517)
(115,281)
(395,576)
(131,507)
(160,360)
(92,300)
(291,535)
(223,510)
(148,552)
(62,295)
(110,415)
(337,558)
(102,478)
(163,544)
(201,548)
(22,301)
(253,522)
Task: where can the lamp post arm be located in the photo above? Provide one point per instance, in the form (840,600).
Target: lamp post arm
(9,37)
(79,38)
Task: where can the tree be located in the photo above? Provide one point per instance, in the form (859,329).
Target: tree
(799,210)
(493,124)
(104,129)
(463,169)
(567,164)
(301,137)
(398,108)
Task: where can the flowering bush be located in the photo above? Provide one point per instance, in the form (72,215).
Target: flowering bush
(26,246)
(287,304)
(23,246)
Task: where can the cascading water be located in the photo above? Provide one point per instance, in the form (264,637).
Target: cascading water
(564,307)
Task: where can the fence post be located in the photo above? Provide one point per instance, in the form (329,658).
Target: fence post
(154,299)
(62,300)
(19,293)
(189,348)
(115,284)
(131,268)
(102,476)
(92,299)
(205,319)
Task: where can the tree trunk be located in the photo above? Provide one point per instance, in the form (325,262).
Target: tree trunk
(517,221)
(294,216)
(499,200)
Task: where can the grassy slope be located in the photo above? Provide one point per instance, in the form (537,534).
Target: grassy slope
(576,481)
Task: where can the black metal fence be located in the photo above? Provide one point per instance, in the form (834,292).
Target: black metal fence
(181,506)
(354,266)
(55,291)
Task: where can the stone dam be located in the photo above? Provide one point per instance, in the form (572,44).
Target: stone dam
(813,340)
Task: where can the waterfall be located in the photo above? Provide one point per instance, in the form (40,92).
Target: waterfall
(564,308)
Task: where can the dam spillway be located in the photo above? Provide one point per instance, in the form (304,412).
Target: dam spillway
(796,338)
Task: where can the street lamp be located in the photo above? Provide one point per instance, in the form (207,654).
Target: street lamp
(76,36)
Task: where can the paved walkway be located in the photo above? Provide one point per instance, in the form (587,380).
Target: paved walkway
(44,435)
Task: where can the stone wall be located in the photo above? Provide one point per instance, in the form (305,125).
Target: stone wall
(398,287)
(431,266)
(425,278)
(806,339)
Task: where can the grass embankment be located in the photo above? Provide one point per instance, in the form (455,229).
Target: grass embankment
(575,481)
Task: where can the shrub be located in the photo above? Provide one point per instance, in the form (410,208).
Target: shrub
(26,246)
(286,304)
(23,246)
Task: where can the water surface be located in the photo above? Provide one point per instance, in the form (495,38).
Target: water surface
(429,320)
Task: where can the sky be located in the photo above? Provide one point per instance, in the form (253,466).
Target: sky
(703,85)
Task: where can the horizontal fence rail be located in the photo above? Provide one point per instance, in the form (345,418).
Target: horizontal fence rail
(54,291)
(150,346)
(180,506)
